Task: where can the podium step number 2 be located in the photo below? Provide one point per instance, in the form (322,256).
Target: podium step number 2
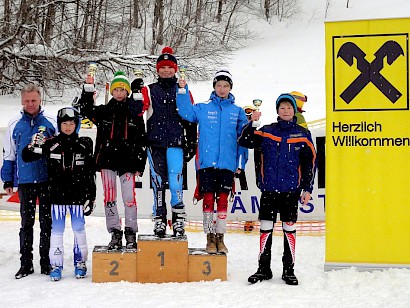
(113,266)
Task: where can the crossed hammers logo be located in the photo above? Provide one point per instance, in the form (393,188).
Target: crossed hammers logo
(370,72)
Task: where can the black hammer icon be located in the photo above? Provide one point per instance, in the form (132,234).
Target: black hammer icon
(370,72)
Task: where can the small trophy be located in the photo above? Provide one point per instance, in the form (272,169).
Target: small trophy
(138,73)
(257,103)
(137,84)
(36,148)
(182,75)
(90,80)
(92,68)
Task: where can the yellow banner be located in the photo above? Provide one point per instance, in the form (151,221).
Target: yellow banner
(367,143)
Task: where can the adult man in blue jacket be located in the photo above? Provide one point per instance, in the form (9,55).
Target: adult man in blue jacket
(31,177)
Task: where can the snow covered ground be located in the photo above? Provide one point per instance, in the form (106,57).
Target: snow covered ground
(344,288)
(289,56)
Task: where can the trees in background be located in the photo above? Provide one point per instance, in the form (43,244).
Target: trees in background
(51,42)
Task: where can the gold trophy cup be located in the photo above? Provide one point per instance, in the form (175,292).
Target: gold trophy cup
(257,103)
(92,69)
(90,79)
(182,75)
(138,73)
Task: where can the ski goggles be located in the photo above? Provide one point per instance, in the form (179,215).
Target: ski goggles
(248,112)
(301,98)
(68,113)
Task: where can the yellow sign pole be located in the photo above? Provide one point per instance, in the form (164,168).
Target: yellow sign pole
(367,144)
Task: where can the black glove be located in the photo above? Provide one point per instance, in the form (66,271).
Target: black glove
(89,207)
(87,93)
(189,153)
(88,88)
(238,175)
(8,184)
(137,84)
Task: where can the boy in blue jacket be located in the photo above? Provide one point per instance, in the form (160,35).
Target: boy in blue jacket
(220,123)
(286,174)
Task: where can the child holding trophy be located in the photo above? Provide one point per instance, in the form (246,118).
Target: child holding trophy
(119,151)
(168,139)
(71,172)
(220,123)
(286,174)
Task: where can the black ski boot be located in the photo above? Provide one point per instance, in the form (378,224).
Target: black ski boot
(116,240)
(45,269)
(24,271)
(288,275)
(178,221)
(160,226)
(130,238)
(263,273)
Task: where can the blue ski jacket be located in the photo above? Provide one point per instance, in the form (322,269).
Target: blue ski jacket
(220,124)
(18,136)
(288,156)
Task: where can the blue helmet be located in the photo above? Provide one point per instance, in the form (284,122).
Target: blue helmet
(286,97)
(66,114)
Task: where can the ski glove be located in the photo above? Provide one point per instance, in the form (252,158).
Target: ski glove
(89,207)
(88,88)
(137,84)
(8,184)
(189,153)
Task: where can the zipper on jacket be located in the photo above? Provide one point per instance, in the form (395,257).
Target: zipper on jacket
(277,162)
(126,128)
(112,127)
(220,128)
(72,161)
(98,154)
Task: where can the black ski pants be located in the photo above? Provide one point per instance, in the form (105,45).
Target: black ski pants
(28,194)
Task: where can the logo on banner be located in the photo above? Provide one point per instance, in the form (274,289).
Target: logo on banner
(370,72)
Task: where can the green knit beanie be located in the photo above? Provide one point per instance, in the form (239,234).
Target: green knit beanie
(120,81)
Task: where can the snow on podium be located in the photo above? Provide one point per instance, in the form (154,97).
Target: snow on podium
(158,260)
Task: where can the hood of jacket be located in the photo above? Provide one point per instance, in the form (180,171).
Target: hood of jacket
(222,101)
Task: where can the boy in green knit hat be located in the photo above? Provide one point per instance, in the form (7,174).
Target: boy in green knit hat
(119,151)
